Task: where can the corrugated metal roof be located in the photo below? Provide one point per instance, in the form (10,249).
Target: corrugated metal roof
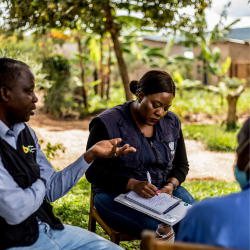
(239,34)
(164,39)
(235,35)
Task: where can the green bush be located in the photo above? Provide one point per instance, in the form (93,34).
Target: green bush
(215,137)
(200,101)
(73,208)
(26,51)
(58,98)
(117,96)
(233,82)
(50,151)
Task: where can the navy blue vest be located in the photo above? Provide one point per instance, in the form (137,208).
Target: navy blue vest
(120,123)
(22,166)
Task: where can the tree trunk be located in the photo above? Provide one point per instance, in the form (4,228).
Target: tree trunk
(82,76)
(108,73)
(118,51)
(44,40)
(95,74)
(205,72)
(101,71)
(232,101)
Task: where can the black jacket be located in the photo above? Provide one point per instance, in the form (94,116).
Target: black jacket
(21,165)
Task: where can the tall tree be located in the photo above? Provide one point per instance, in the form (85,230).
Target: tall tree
(100,16)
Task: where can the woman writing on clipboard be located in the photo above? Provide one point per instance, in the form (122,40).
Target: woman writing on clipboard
(147,125)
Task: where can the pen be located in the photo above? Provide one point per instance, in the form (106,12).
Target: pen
(149,180)
(149,177)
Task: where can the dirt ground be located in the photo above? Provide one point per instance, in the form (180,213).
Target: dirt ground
(204,164)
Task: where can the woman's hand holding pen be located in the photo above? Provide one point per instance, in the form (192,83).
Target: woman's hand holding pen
(142,188)
(107,149)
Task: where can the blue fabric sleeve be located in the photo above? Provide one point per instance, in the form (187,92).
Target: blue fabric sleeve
(59,183)
(17,204)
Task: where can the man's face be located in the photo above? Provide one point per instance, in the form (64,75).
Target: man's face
(22,98)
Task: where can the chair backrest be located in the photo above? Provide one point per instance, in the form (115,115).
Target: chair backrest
(149,242)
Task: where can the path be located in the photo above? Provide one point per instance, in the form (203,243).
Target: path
(204,164)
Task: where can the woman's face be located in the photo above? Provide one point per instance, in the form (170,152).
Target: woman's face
(154,107)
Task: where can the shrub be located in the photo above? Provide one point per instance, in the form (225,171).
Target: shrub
(201,101)
(50,151)
(57,97)
(233,82)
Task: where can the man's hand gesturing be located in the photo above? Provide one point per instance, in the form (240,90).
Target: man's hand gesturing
(107,149)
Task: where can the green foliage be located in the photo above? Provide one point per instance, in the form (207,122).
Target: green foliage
(206,189)
(178,78)
(233,82)
(204,39)
(212,58)
(73,208)
(92,14)
(182,84)
(225,66)
(215,137)
(201,101)
(57,98)
(50,151)
(26,51)
(117,96)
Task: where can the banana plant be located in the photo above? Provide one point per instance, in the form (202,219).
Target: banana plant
(182,84)
(221,90)
(210,58)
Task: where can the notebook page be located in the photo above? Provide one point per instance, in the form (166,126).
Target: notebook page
(158,203)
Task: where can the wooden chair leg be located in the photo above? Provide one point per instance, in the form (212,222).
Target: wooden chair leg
(115,238)
(92,224)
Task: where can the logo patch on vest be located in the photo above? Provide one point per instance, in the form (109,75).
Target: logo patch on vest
(171,145)
(28,149)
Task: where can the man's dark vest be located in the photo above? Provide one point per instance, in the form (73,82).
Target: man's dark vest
(21,165)
(120,124)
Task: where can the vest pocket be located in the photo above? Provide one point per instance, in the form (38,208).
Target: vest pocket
(170,144)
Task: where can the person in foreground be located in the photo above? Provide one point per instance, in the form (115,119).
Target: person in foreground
(147,125)
(28,181)
(224,221)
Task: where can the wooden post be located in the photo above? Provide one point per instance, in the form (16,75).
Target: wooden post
(148,239)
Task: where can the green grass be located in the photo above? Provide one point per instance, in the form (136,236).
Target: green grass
(215,137)
(73,208)
(206,189)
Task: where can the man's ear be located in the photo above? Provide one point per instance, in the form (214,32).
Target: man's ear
(4,94)
(140,96)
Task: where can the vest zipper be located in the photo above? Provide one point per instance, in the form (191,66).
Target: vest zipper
(153,148)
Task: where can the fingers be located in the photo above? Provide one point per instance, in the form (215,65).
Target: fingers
(148,191)
(151,190)
(115,141)
(166,190)
(125,150)
(114,147)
